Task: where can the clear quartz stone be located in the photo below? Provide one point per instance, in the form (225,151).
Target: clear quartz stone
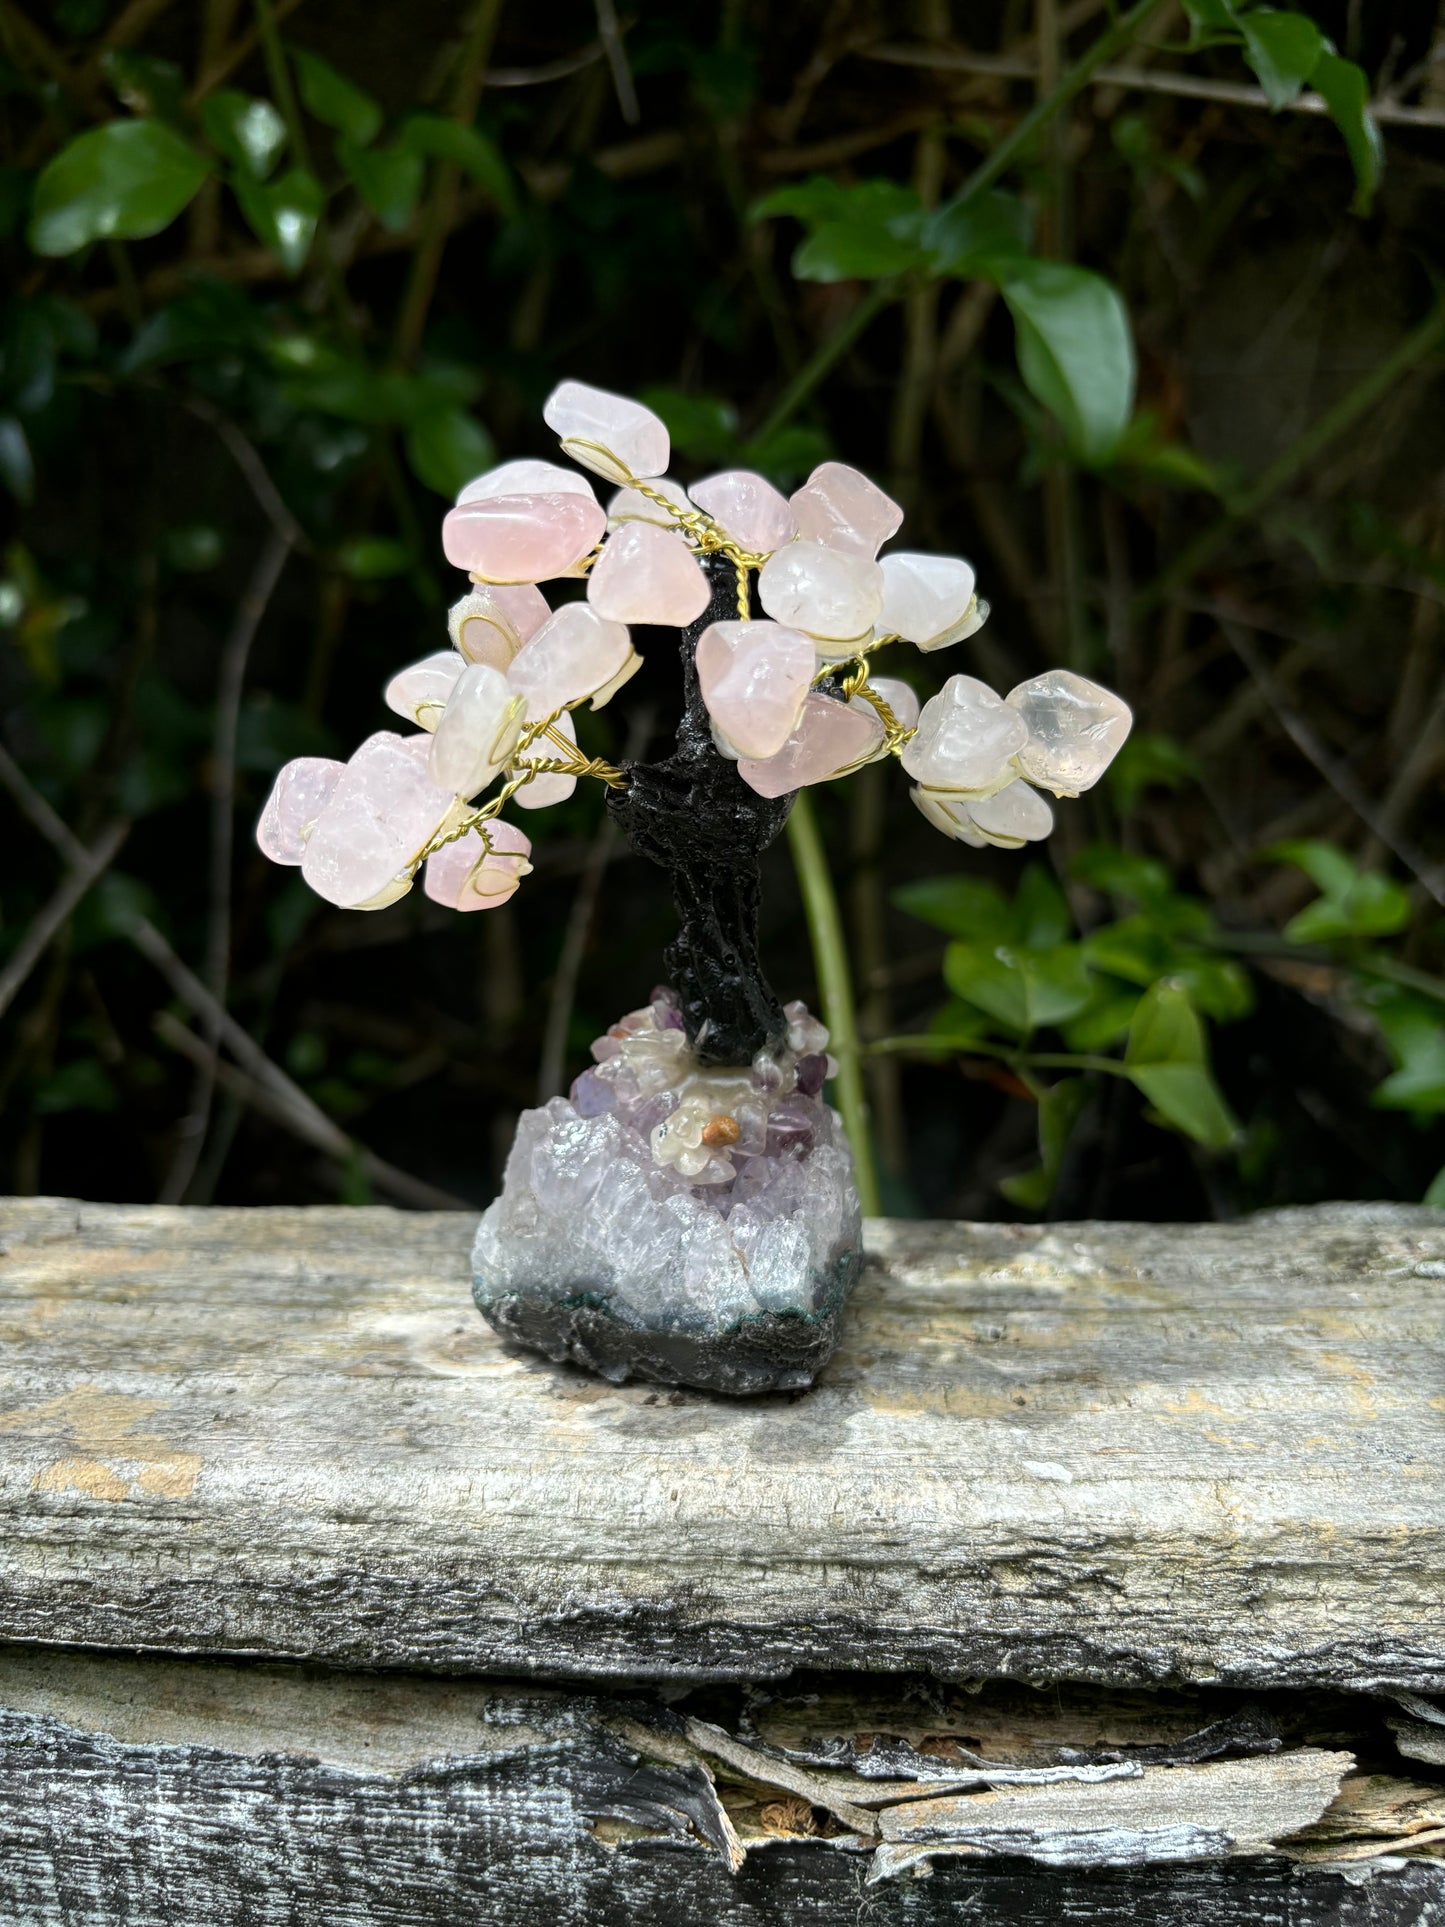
(522,538)
(751,510)
(631,505)
(300,793)
(827,593)
(478,731)
(613,436)
(924,596)
(898,695)
(647,574)
(842,508)
(1075,729)
(1012,816)
(575,653)
(545,790)
(526,477)
(829,738)
(493,620)
(967,737)
(467,875)
(421,691)
(972,620)
(384,811)
(754,676)
(949,814)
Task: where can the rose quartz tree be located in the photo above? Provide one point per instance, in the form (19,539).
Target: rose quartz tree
(782,603)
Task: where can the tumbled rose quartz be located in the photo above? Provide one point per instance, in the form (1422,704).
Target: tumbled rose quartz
(631,505)
(754,676)
(900,698)
(1012,816)
(421,691)
(829,595)
(752,511)
(647,574)
(384,811)
(547,789)
(526,477)
(465,876)
(966,737)
(495,619)
(574,654)
(298,796)
(924,596)
(478,731)
(1075,729)
(609,434)
(949,814)
(973,619)
(829,737)
(522,538)
(839,506)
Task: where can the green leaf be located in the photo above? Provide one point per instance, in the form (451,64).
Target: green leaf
(1148,762)
(1075,352)
(283,214)
(465,147)
(246,130)
(1326,866)
(123,181)
(1166,1059)
(962,906)
(1104,1020)
(372,558)
(81,1086)
(1416,1038)
(1211,16)
(1282,49)
(991,230)
(333,99)
(786,456)
(702,428)
(1023,989)
(388,179)
(1353,903)
(17,466)
(864,231)
(1435,1196)
(1346,92)
(146,85)
(1041,915)
(447,448)
(1122,873)
(959,1024)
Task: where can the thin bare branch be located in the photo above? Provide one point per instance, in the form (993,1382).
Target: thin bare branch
(609,32)
(53,917)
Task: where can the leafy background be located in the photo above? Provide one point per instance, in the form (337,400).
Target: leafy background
(1137,309)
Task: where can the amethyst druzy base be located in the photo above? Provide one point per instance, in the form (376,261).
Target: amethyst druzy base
(677,1221)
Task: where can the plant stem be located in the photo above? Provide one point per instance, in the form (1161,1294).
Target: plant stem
(1050,1060)
(827,355)
(830,958)
(1331,425)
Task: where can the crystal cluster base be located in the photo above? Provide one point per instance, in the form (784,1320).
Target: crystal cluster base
(676,1223)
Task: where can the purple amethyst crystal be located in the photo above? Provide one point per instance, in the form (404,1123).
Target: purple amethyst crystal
(812,1071)
(592,1095)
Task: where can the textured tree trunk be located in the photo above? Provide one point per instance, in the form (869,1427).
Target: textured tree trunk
(695,816)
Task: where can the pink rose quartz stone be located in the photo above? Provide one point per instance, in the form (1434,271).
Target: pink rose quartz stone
(522,538)
(754,676)
(574,654)
(298,796)
(829,738)
(610,434)
(422,690)
(840,507)
(465,875)
(827,593)
(547,789)
(477,734)
(526,477)
(491,623)
(647,574)
(752,511)
(384,811)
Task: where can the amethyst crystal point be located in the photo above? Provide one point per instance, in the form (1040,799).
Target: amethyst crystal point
(695,1230)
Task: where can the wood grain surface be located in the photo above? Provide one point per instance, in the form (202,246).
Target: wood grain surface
(1120,1453)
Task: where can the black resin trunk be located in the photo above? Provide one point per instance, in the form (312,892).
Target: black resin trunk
(695,816)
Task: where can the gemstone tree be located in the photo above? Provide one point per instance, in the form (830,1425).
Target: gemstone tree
(687,1213)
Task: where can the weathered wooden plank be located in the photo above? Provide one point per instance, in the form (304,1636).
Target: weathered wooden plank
(151,1792)
(1109,1452)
